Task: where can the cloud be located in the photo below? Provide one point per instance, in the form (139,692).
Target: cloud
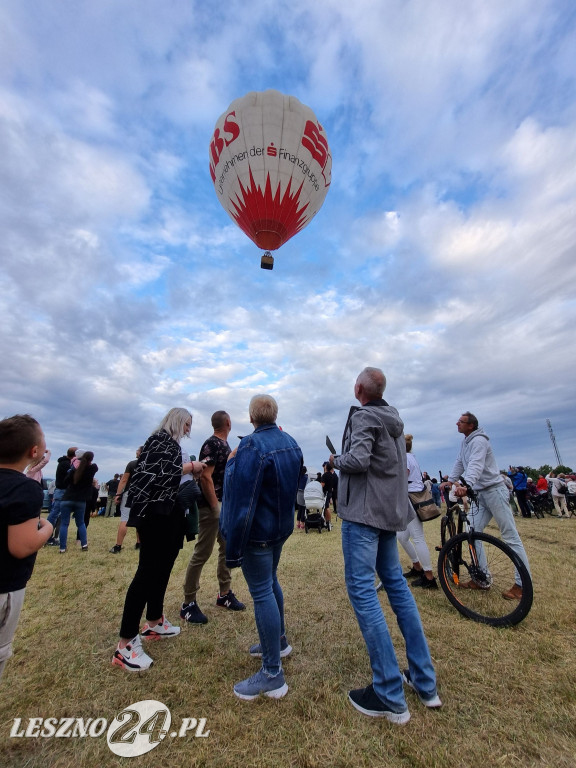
(444,251)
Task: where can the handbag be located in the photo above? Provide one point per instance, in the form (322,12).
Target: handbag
(188,494)
(424,505)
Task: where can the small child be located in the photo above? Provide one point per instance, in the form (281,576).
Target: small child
(76,460)
(22,530)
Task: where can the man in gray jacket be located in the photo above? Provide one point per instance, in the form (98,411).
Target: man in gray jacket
(477,466)
(374,505)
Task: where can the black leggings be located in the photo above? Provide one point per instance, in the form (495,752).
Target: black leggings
(161,538)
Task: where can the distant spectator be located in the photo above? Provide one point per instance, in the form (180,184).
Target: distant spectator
(51,489)
(542,484)
(435,491)
(510,486)
(122,499)
(559,488)
(329,483)
(102,498)
(300,503)
(112,488)
(64,464)
(520,481)
(92,503)
(412,539)
(34,469)
(76,495)
(532,490)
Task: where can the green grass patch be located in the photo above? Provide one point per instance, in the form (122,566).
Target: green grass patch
(509,695)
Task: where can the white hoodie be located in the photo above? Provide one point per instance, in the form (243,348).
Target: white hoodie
(476,462)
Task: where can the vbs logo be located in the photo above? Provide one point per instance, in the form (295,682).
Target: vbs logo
(143,725)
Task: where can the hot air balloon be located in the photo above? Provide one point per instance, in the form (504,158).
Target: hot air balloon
(271,167)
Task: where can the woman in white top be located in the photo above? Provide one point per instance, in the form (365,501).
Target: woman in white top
(412,539)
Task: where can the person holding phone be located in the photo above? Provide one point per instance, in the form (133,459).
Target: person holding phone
(214,455)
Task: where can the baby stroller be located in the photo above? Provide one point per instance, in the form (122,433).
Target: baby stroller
(314,502)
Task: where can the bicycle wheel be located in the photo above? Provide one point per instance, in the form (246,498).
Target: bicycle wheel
(537,510)
(490,565)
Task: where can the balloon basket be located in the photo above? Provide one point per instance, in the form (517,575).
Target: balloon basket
(267,261)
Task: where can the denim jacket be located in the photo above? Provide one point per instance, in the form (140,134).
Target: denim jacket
(260,486)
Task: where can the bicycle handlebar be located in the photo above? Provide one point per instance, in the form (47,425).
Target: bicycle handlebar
(469,492)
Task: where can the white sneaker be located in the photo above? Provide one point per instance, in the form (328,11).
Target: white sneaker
(132,658)
(163,629)
(432,702)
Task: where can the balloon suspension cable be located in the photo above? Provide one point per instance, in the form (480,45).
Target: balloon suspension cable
(267,261)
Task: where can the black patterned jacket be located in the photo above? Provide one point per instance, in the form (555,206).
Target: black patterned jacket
(156,477)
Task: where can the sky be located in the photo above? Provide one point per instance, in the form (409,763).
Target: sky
(444,252)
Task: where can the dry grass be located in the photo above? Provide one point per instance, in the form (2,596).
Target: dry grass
(509,695)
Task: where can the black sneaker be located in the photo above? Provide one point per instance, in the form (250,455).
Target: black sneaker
(52,542)
(137,545)
(425,583)
(191,613)
(412,572)
(230,601)
(366,701)
(115,549)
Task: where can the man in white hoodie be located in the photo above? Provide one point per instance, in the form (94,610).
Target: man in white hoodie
(477,465)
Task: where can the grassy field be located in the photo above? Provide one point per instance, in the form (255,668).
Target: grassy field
(509,695)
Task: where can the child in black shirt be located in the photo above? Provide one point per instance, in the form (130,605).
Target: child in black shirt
(22,530)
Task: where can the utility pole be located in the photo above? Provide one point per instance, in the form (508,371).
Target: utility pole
(556,451)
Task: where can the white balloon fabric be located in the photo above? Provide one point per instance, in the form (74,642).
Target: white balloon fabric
(271,166)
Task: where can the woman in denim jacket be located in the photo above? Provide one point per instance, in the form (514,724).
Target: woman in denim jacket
(260,486)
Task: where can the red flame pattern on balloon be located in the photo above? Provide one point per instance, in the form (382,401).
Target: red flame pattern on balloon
(269,219)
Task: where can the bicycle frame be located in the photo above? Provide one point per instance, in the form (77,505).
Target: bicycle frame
(477,570)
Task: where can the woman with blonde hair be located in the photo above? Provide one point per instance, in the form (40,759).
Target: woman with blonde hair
(160,525)
(412,539)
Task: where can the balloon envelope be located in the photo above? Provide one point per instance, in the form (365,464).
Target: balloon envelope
(271,166)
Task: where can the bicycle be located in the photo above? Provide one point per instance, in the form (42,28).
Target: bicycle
(541,505)
(548,506)
(474,569)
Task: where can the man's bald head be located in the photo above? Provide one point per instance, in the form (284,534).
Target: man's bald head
(370,385)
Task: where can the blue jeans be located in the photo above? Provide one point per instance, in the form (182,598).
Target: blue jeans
(74,509)
(259,568)
(494,503)
(56,500)
(368,550)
